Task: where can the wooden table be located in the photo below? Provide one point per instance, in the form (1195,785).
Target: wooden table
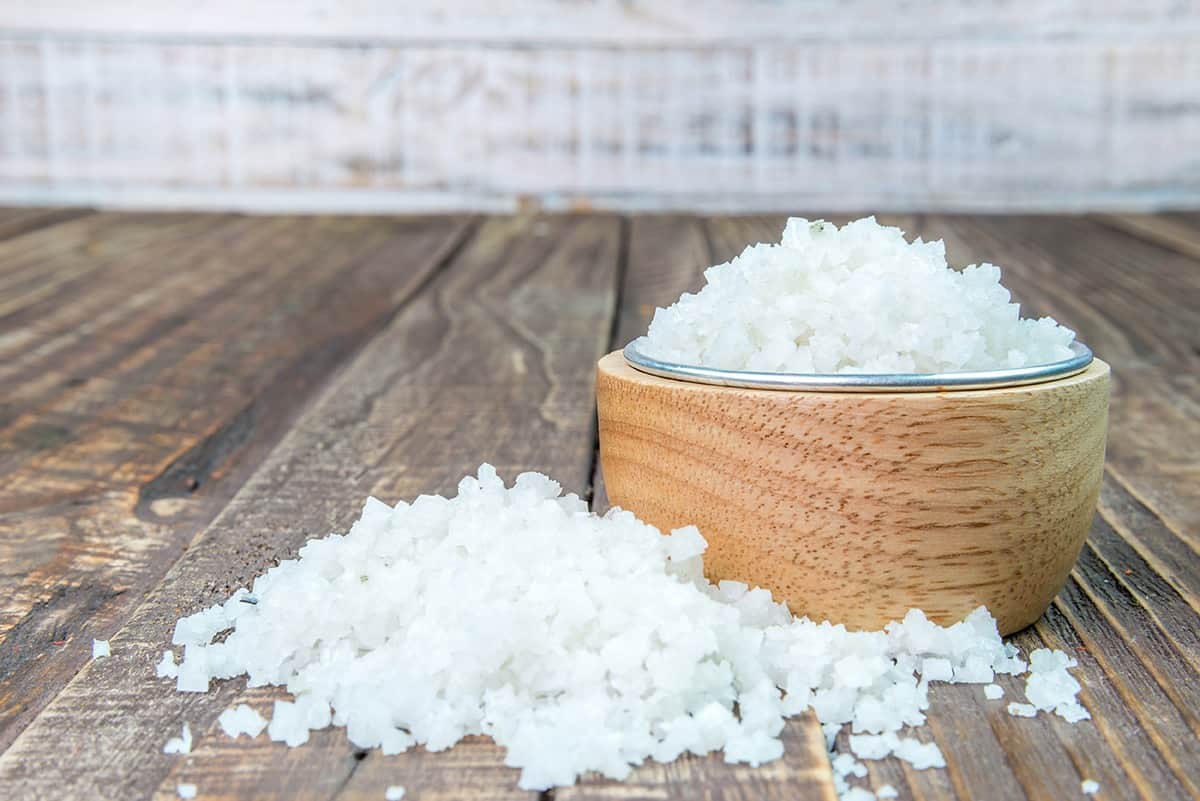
(186,398)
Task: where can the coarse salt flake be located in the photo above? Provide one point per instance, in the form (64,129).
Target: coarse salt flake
(100,649)
(577,642)
(242,719)
(181,744)
(854,299)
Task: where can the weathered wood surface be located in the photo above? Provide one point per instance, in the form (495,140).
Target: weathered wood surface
(723,106)
(1132,604)
(149,363)
(182,406)
(683,22)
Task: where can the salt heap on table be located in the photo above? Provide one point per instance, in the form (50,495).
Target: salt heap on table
(855,299)
(578,642)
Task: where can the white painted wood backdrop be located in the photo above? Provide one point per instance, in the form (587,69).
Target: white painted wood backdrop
(704,104)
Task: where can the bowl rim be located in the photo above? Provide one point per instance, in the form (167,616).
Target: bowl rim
(1081,357)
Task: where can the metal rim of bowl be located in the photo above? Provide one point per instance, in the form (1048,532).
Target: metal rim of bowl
(862,382)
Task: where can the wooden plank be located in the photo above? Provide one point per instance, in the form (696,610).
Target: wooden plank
(641,21)
(1138,306)
(1176,233)
(1135,582)
(493,361)
(666,256)
(1081,272)
(15,221)
(313,125)
(151,392)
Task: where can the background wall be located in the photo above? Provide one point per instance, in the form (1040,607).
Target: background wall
(703,104)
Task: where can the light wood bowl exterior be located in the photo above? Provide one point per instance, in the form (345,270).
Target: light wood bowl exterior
(857,507)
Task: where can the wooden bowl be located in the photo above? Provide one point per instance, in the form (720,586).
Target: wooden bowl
(857,507)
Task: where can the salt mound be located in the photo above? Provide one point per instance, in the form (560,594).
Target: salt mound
(578,642)
(855,299)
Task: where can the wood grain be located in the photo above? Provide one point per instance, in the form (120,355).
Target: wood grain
(131,369)
(665,255)
(820,111)
(858,507)
(493,362)
(1133,298)
(152,393)
(16,221)
(1130,608)
(560,21)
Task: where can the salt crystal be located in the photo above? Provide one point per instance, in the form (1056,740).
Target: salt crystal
(846,765)
(288,724)
(855,299)
(242,719)
(1089,787)
(919,755)
(515,613)
(181,744)
(100,649)
(1072,712)
(185,790)
(934,669)
(1022,710)
(1051,687)
(993,692)
(394,793)
(166,667)
(887,791)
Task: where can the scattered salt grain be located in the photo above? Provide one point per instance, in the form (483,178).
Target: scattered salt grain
(846,765)
(166,667)
(937,669)
(185,790)
(855,299)
(993,692)
(181,744)
(242,719)
(920,755)
(577,642)
(394,793)
(100,649)
(1051,687)
(1022,710)
(1089,787)
(887,791)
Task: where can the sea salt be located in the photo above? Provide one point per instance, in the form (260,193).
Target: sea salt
(887,791)
(993,692)
(100,649)
(855,299)
(1089,787)
(394,793)
(185,790)
(577,642)
(242,719)
(166,667)
(181,744)
(1051,687)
